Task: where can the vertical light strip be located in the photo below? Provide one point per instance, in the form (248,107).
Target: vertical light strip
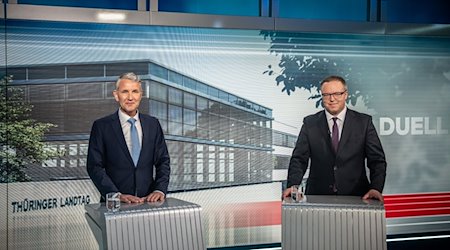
(264,8)
(275,8)
(154,5)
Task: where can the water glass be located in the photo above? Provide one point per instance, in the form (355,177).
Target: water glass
(296,193)
(113,202)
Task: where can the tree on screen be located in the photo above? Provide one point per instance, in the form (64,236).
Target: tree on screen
(303,71)
(21,138)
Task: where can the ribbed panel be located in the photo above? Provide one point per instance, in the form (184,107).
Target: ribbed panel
(164,228)
(315,227)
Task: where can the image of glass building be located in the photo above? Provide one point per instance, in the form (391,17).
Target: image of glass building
(215,138)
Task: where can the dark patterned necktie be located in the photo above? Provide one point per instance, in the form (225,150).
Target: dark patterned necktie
(335,135)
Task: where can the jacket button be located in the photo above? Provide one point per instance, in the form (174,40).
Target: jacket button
(335,168)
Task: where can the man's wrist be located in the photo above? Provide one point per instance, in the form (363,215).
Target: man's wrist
(158,191)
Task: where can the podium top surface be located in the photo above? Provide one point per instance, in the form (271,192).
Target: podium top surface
(334,201)
(98,211)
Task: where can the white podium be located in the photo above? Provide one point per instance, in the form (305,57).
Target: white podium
(172,225)
(322,222)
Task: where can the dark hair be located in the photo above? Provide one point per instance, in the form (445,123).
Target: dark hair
(334,78)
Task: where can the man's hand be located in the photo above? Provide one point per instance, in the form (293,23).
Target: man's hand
(155,196)
(287,193)
(127,198)
(373,194)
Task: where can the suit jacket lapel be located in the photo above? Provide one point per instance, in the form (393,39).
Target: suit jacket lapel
(117,127)
(145,127)
(325,130)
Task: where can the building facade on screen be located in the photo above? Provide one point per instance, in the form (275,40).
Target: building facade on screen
(214,138)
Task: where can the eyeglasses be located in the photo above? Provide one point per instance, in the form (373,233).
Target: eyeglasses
(336,95)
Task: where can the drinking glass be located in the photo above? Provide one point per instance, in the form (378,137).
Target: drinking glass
(113,202)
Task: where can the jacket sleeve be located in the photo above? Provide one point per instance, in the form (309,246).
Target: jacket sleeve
(300,158)
(96,160)
(376,161)
(162,162)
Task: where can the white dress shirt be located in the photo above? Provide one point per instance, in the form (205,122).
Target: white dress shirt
(339,121)
(126,127)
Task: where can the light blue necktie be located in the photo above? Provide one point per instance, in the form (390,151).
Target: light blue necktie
(135,146)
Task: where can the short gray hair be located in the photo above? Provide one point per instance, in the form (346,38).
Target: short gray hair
(129,76)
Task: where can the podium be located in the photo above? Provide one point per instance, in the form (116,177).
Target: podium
(322,222)
(173,224)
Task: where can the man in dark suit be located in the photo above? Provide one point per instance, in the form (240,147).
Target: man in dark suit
(127,151)
(339,142)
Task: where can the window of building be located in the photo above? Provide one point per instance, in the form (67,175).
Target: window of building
(85,70)
(345,10)
(84,91)
(223,95)
(175,78)
(83,149)
(18,73)
(47,92)
(175,96)
(213,92)
(202,104)
(159,71)
(201,87)
(431,11)
(102,4)
(216,7)
(73,149)
(158,91)
(189,100)
(158,109)
(73,163)
(189,122)
(46,72)
(117,69)
(189,83)
(175,113)
(175,120)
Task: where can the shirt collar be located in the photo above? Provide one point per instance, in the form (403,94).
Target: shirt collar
(340,116)
(124,117)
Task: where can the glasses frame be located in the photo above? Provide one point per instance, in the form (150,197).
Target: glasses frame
(336,95)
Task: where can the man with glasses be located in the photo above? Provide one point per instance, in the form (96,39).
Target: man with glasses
(339,142)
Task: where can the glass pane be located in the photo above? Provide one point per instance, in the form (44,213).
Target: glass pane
(189,117)
(219,7)
(158,109)
(175,113)
(432,11)
(189,100)
(103,4)
(159,71)
(158,91)
(175,96)
(202,103)
(175,128)
(189,83)
(175,78)
(348,10)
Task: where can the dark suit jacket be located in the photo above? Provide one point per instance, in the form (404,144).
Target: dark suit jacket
(359,142)
(111,167)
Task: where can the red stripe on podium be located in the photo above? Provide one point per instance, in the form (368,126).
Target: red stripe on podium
(258,214)
(419,204)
